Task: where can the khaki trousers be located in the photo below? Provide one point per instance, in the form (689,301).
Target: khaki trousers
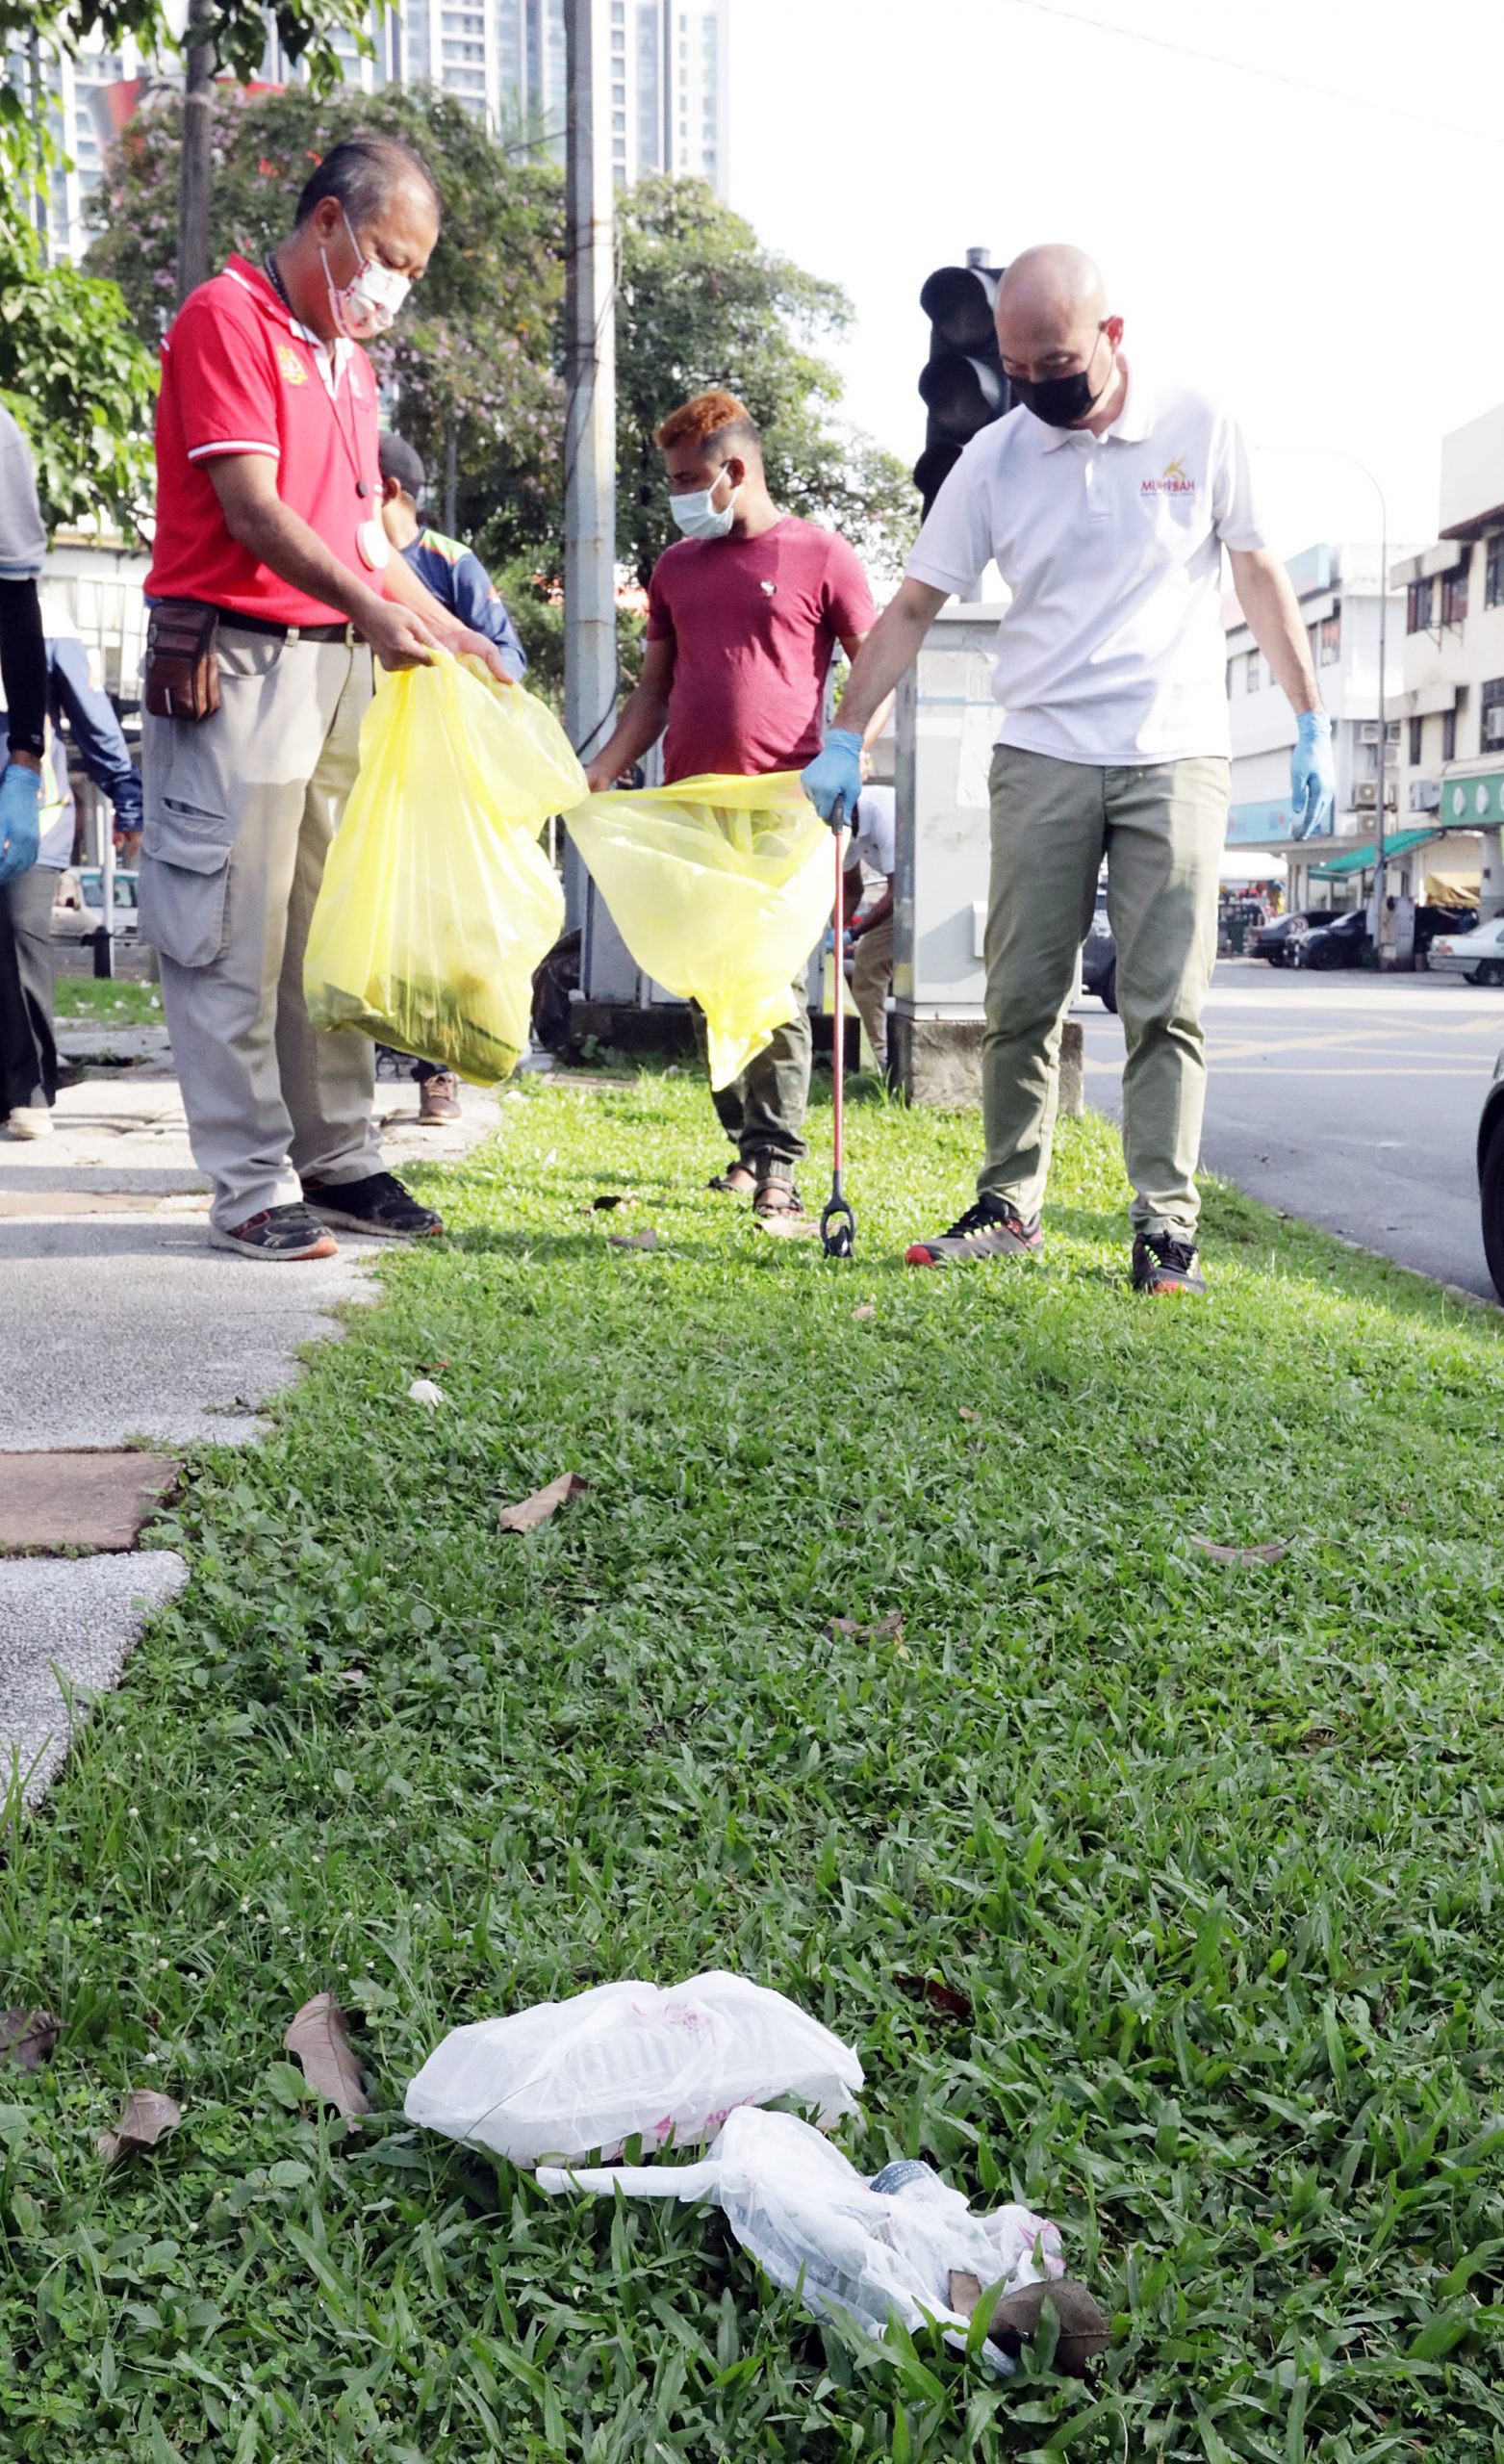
(762,1112)
(1160,830)
(871,979)
(240,813)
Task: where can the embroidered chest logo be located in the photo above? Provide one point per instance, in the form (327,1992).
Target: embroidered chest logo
(290,365)
(1171,482)
(769,586)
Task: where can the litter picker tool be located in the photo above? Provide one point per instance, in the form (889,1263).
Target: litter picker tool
(837,1222)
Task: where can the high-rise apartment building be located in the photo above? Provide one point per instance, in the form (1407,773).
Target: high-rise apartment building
(503,59)
(670,88)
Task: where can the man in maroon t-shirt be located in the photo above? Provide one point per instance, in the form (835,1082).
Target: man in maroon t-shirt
(743,615)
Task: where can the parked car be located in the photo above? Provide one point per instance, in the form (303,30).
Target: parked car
(1477,956)
(1431,921)
(78,906)
(1099,958)
(1340,943)
(1276,940)
(1490,1175)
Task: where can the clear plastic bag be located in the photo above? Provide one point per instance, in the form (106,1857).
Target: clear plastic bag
(438,902)
(720,887)
(629,2060)
(852,2253)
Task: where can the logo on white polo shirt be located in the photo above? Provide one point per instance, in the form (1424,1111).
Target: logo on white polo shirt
(1171,482)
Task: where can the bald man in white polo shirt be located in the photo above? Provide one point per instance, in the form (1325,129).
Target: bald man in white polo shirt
(1105,499)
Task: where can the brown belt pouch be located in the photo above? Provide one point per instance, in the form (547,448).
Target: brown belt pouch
(182,677)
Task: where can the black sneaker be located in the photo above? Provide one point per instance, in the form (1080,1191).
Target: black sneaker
(992,1228)
(1164,1263)
(378,1204)
(277,1237)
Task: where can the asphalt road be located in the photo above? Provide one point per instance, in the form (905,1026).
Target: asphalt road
(1350,1099)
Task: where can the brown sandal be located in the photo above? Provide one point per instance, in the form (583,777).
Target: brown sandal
(776,1199)
(736,1181)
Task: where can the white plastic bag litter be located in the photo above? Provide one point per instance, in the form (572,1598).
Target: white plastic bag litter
(631,2059)
(854,2254)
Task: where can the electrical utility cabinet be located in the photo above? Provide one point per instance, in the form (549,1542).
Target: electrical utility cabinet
(946,720)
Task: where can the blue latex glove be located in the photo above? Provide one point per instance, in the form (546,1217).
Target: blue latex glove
(1312,775)
(20,821)
(832,782)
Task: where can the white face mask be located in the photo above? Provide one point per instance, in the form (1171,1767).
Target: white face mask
(699,517)
(367,303)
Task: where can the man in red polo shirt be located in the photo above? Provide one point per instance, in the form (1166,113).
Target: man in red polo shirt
(271,586)
(744,614)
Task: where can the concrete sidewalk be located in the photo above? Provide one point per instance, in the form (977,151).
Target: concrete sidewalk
(121,1323)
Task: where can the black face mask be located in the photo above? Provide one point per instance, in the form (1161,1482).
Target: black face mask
(1060,401)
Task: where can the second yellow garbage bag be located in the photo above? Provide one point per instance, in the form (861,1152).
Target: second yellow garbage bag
(438,902)
(720,887)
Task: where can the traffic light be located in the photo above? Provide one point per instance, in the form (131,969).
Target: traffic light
(961,383)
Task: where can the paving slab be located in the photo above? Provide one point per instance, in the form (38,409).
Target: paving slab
(89,1040)
(81,1502)
(120,1322)
(66,1624)
(74,1202)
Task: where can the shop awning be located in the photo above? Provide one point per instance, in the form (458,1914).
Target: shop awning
(1359,859)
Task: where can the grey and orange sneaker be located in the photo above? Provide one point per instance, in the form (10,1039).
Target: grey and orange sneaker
(279,1236)
(992,1228)
(1164,1263)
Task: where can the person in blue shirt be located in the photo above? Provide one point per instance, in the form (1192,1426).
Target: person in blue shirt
(28,1048)
(461,583)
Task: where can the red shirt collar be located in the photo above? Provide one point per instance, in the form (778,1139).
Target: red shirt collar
(251,278)
(270,300)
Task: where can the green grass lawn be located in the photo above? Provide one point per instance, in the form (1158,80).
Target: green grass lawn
(111,1001)
(1213,1851)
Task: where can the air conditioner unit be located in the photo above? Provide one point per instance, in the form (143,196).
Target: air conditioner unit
(1494,724)
(1425,795)
(1365,792)
(1369,732)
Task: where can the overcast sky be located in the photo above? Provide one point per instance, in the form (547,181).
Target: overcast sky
(1333,270)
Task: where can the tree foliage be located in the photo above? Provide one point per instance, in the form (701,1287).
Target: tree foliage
(703,303)
(81,388)
(474,354)
(310,31)
(477,354)
(70,369)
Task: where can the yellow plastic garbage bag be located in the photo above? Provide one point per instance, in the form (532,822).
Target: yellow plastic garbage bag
(720,887)
(437,901)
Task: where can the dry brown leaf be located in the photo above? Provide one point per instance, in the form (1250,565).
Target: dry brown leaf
(886,1630)
(146,2118)
(531,1511)
(967,1414)
(319,2038)
(27,2038)
(864,1309)
(1268,1553)
(947,1999)
(647,1239)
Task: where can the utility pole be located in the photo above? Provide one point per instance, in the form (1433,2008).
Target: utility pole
(1384,725)
(197,164)
(590,668)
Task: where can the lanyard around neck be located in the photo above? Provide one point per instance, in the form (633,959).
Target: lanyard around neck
(273,273)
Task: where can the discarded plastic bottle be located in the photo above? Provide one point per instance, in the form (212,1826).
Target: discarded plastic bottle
(900,2175)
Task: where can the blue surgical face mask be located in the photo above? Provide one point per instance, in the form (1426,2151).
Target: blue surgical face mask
(699,517)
